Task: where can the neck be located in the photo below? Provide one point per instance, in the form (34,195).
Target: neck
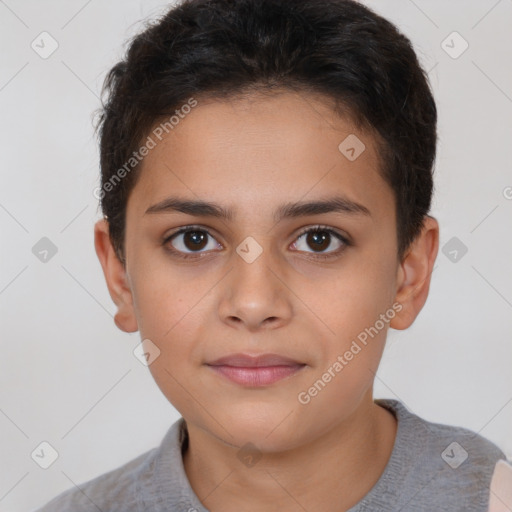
(332,473)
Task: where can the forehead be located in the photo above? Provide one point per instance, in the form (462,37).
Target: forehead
(261,150)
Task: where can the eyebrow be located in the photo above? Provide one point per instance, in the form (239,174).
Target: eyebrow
(336,204)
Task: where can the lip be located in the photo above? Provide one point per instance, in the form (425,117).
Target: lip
(254,361)
(255,371)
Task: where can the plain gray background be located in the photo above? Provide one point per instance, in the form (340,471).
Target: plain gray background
(68,376)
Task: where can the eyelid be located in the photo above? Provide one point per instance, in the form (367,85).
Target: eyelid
(189,227)
(322,227)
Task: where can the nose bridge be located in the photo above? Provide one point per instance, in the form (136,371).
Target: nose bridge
(255,294)
(253,264)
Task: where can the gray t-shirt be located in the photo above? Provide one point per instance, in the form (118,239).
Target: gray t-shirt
(432,467)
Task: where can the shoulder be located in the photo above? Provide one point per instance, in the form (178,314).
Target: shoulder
(451,462)
(113,491)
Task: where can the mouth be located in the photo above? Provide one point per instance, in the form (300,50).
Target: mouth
(255,371)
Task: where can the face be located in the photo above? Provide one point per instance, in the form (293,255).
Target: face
(259,272)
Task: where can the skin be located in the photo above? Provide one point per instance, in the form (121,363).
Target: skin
(253,154)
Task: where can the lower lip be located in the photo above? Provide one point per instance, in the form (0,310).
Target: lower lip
(257,376)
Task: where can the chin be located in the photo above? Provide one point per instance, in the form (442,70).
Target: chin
(270,429)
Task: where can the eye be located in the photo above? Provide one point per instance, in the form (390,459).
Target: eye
(321,238)
(195,241)
(190,240)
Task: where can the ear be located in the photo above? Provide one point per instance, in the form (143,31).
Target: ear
(115,275)
(414,274)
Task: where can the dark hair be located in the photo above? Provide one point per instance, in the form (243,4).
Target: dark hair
(228,48)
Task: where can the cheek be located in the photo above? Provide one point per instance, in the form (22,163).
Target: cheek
(353,298)
(167,298)
(351,308)
(171,310)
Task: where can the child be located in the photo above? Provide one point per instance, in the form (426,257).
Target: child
(266,183)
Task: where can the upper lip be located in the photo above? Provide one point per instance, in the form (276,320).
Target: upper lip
(254,361)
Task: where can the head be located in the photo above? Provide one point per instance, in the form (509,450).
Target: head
(296,142)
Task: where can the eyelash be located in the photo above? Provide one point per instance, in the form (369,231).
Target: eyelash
(319,227)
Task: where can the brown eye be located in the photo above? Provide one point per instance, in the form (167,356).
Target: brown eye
(195,240)
(319,240)
(192,240)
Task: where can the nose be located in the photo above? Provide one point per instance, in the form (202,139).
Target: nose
(256,295)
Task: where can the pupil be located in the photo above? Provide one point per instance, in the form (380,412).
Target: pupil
(319,240)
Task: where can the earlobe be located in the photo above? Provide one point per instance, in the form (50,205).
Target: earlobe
(115,276)
(414,274)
